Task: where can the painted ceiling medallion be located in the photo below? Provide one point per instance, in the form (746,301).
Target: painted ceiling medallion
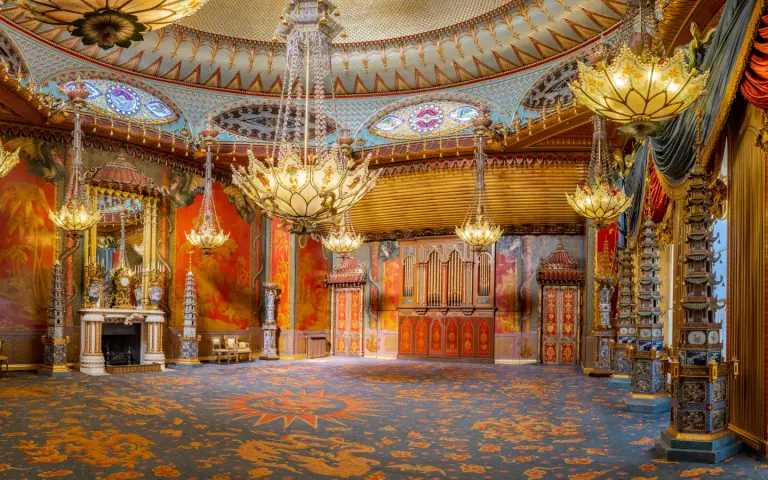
(111,24)
(426,120)
(125,102)
(258,122)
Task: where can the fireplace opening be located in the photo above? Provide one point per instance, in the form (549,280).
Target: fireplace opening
(121,344)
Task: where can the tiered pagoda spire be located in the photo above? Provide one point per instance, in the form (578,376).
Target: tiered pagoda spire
(700,393)
(55,344)
(625,316)
(649,384)
(189,339)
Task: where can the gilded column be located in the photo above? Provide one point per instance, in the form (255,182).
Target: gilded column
(649,379)
(698,429)
(154,347)
(91,358)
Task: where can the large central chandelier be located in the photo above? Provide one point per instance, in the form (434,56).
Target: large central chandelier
(206,233)
(111,23)
(343,239)
(478,229)
(599,200)
(79,212)
(640,87)
(306,186)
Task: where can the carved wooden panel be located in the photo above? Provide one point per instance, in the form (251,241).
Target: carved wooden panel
(458,337)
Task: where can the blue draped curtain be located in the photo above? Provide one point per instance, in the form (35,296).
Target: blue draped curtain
(673,149)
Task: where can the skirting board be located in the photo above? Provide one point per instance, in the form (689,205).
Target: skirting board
(506,361)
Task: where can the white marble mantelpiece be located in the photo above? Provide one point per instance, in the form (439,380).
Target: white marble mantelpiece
(91,322)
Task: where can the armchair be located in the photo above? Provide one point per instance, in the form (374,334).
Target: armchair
(219,349)
(243,348)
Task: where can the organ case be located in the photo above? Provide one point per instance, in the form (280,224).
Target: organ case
(447,305)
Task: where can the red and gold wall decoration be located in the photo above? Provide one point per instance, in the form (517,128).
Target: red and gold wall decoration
(281,274)
(26,244)
(224,296)
(312,311)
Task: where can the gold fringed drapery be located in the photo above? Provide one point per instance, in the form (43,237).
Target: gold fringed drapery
(747,253)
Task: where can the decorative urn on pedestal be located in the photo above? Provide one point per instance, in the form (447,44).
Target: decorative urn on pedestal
(269,350)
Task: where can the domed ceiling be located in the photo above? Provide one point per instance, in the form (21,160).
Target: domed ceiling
(386,46)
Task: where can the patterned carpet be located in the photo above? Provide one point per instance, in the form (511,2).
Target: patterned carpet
(335,419)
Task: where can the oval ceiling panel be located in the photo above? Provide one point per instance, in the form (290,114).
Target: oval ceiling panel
(425,120)
(125,102)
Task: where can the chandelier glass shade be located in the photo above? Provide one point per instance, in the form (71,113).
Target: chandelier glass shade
(599,200)
(639,87)
(8,160)
(478,229)
(79,212)
(206,233)
(342,239)
(111,23)
(306,185)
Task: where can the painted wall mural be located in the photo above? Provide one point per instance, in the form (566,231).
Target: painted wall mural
(389,259)
(224,297)
(312,307)
(517,292)
(281,274)
(27,235)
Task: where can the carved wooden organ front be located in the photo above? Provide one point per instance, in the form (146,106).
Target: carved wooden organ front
(446,309)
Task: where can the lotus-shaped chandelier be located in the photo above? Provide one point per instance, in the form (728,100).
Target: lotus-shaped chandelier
(305,185)
(79,212)
(8,160)
(111,23)
(343,239)
(478,229)
(639,87)
(206,233)
(599,200)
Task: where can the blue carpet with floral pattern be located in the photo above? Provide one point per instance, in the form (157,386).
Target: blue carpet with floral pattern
(335,418)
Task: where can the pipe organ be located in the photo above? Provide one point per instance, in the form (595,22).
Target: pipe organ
(447,305)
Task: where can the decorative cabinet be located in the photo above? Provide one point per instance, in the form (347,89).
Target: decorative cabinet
(446,309)
(560,280)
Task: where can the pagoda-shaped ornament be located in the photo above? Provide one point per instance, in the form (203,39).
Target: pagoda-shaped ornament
(189,339)
(602,330)
(648,393)
(55,343)
(625,318)
(699,416)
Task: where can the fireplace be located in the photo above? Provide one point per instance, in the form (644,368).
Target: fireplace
(121,343)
